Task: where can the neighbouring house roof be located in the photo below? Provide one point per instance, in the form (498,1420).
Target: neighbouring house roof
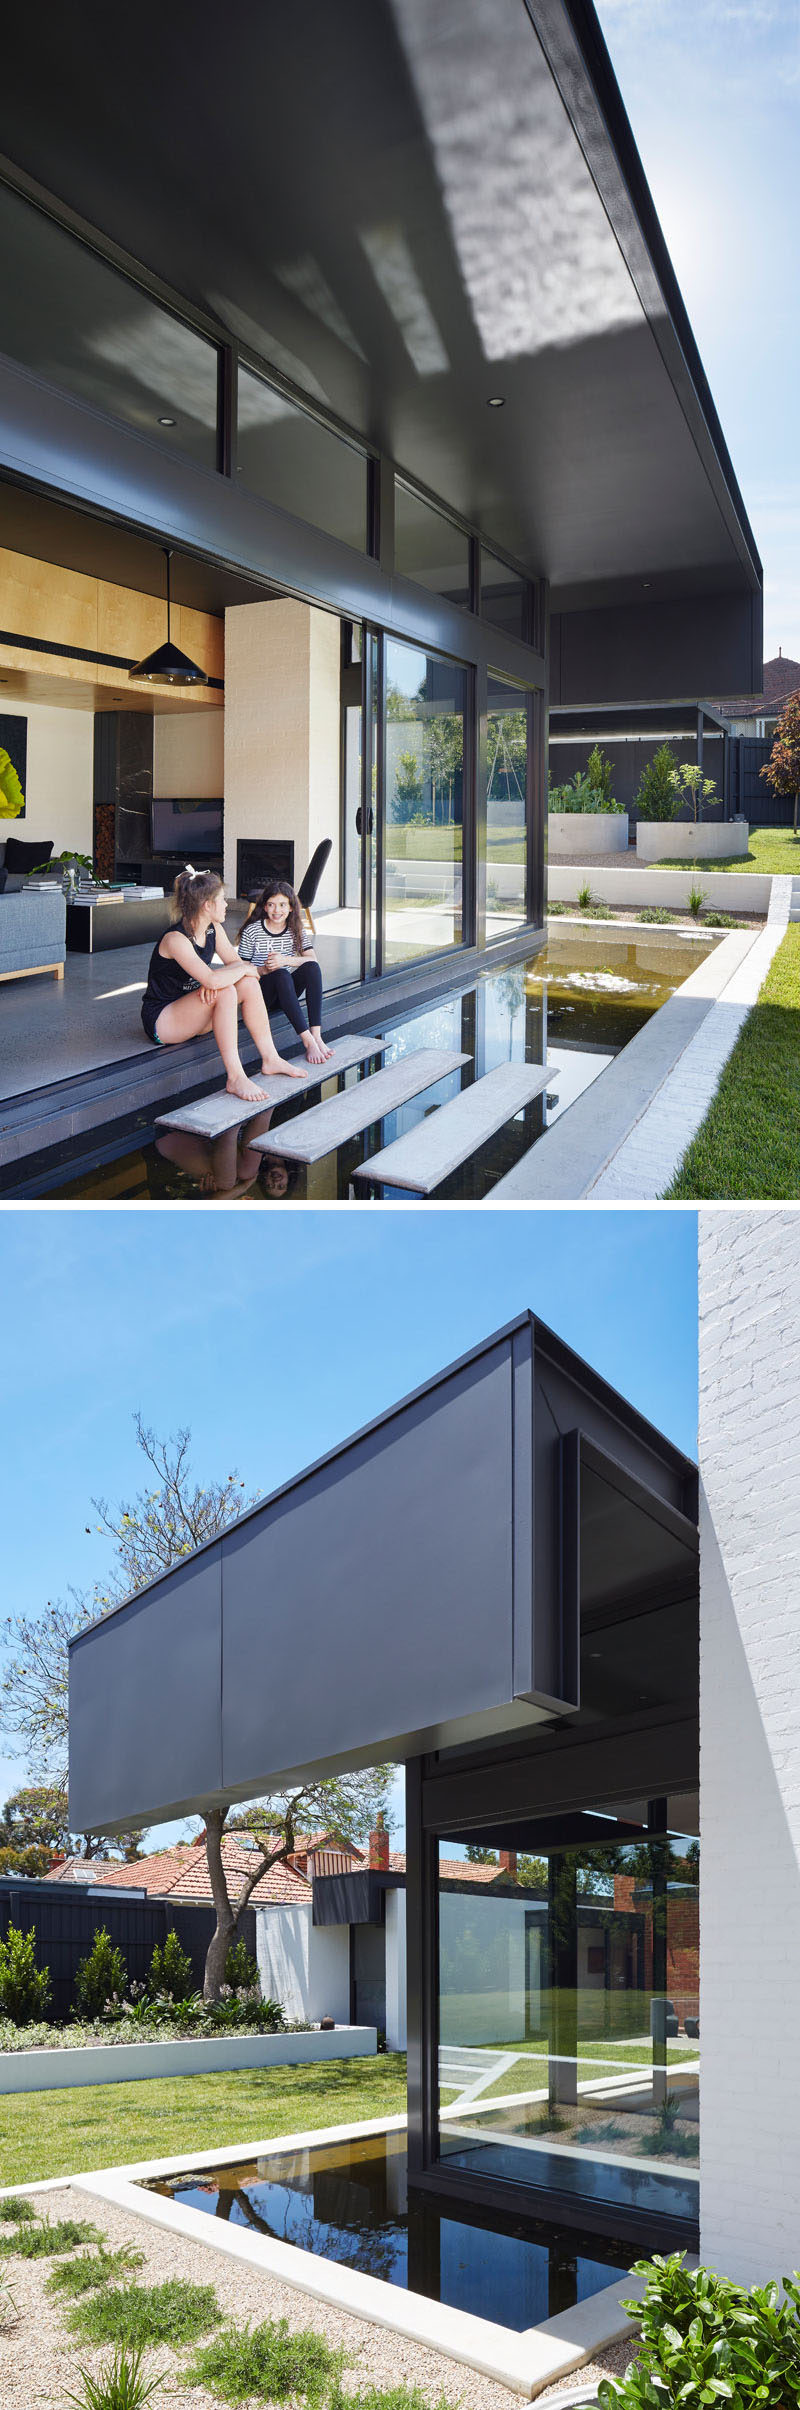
(781,679)
(457,1870)
(181,1873)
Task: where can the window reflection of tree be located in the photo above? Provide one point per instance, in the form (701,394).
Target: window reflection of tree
(290,2217)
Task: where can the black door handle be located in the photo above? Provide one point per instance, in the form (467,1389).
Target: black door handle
(360,821)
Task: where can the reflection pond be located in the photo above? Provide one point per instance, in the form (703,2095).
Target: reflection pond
(349,2202)
(575,1003)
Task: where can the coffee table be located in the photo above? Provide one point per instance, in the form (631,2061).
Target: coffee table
(96,923)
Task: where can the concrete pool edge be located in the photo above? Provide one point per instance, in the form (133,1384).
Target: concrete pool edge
(526,2362)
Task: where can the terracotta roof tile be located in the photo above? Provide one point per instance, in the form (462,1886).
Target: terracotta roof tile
(182,1873)
(781,679)
(452,1870)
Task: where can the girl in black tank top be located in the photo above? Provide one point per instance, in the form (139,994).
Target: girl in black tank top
(188,994)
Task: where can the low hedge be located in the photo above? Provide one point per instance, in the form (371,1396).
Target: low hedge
(707,2340)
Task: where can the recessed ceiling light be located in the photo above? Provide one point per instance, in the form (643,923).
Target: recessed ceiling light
(168,422)
(646,584)
(496,401)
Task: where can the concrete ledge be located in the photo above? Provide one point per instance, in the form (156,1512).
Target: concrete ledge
(699,840)
(630,889)
(130,2062)
(588,832)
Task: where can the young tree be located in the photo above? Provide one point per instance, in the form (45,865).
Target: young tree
(692,788)
(782,771)
(600,773)
(346,1806)
(657,797)
(150,1532)
(407,788)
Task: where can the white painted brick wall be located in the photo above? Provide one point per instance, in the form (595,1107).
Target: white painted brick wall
(750,1741)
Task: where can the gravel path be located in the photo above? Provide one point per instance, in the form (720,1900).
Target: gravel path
(39,2364)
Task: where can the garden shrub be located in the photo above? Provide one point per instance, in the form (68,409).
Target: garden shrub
(600,773)
(137,2315)
(268,2362)
(24,1987)
(707,2340)
(101,1978)
(657,797)
(241,1971)
(92,2268)
(581,795)
(49,2237)
(171,1975)
(121,2385)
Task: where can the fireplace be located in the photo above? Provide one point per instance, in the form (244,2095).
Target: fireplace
(262,858)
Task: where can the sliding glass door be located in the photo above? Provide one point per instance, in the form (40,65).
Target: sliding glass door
(426,817)
(569,2018)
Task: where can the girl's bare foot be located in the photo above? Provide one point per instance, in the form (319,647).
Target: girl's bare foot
(275,1063)
(246,1090)
(315,1046)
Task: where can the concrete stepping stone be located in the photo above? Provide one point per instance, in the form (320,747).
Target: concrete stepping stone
(426,1155)
(316,1133)
(210,1115)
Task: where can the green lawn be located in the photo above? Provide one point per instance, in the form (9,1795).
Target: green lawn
(599,2059)
(771,849)
(749,1144)
(404,844)
(106,2125)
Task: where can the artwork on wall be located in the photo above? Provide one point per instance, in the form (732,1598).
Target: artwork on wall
(14,742)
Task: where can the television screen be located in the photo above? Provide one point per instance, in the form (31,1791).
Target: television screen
(191,829)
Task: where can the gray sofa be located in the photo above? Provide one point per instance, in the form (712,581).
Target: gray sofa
(33,932)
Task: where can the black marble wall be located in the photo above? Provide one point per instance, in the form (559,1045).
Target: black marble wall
(123,782)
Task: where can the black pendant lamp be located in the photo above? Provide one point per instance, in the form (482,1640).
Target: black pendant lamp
(168,665)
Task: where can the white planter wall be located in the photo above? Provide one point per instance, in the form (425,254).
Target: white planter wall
(629,889)
(749,1742)
(580,833)
(396,1970)
(305,1966)
(125,2062)
(699,841)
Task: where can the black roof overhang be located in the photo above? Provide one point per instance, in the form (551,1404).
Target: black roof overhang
(401,255)
(420,1588)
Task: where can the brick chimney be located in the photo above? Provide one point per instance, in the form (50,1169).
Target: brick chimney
(379,1846)
(507,1862)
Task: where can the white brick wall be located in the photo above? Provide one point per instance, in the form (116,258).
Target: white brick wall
(750,1741)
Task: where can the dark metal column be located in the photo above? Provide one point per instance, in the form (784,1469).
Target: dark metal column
(422,1944)
(562,1888)
(659,1861)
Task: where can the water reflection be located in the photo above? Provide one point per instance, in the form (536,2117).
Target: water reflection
(574,1005)
(350,2202)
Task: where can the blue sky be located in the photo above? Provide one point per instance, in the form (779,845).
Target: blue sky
(713,95)
(272,1347)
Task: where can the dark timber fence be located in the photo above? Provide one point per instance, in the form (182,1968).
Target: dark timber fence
(752,795)
(734,762)
(65,1919)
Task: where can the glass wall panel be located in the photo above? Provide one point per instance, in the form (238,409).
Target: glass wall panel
(429,548)
(426,703)
(504,596)
(569,2019)
(506,808)
(290,458)
(74,320)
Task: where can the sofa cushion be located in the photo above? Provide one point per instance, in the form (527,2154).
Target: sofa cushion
(25,855)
